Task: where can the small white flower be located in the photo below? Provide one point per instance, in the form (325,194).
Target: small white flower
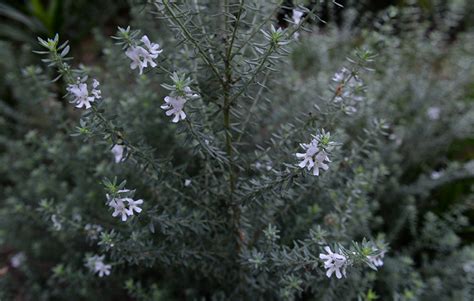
(123,206)
(468,267)
(142,57)
(135,53)
(314,158)
(117,151)
(133,205)
(377,260)
(334,262)
(56,223)
(350,110)
(297,14)
(102,269)
(153,48)
(80,93)
(96,92)
(433,113)
(120,209)
(435,175)
(17,260)
(96,265)
(175,106)
(189,93)
(341,75)
(187,182)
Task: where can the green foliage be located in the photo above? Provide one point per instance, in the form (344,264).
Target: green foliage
(228,213)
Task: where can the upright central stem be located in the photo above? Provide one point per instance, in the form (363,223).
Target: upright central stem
(227,128)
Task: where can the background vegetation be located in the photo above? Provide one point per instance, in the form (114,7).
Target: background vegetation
(402,176)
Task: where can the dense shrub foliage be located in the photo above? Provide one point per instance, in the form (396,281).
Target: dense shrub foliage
(242,150)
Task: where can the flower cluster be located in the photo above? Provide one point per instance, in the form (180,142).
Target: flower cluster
(124,206)
(144,55)
(316,156)
(96,265)
(80,92)
(180,94)
(334,263)
(349,88)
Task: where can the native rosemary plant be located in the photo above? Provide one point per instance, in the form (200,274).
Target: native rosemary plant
(201,165)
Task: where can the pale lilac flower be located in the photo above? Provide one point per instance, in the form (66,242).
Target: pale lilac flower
(133,205)
(341,75)
(56,222)
(96,92)
(189,93)
(297,15)
(468,267)
(120,209)
(433,113)
(135,53)
(118,151)
(153,48)
(80,93)
(143,57)
(314,158)
(435,175)
(334,262)
(96,265)
(187,182)
(17,260)
(102,269)
(175,106)
(377,260)
(123,206)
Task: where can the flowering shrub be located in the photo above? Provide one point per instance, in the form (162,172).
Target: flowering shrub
(256,175)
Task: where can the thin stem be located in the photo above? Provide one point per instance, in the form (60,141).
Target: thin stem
(185,32)
(255,101)
(256,30)
(234,31)
(257,71)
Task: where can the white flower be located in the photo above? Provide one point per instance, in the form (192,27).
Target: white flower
(142,57)
(123,206)
(135,53)
(314,157)
(153,48)
(433,113)
(297,14)
(187,182)
(56,223)
(377,260)
(118,150)
(96,265)
(96,92)
(120,209)
(175,106)
(340,75)
(133,205)
(435,175)
(102,269)
(334,262)
(80,93)
(468,267)
(17,260)
(189,93)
